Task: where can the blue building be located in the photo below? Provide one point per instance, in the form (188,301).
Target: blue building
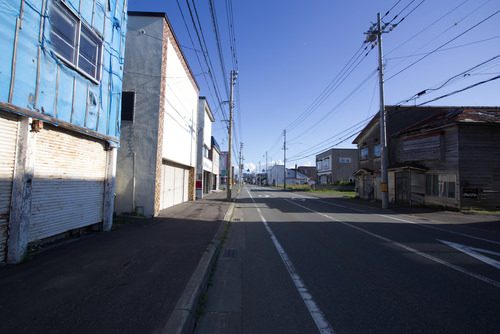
(61,70)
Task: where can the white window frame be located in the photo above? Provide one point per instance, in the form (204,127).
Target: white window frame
(75,55)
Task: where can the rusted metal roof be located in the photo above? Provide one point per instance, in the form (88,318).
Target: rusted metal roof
(487,115)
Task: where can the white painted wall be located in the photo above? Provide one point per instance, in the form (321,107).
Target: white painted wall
(181,113)
(136,164)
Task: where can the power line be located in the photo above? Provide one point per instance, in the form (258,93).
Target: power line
(329,89)
(217,39)
(326,142)
(446,49)
(394,25)
(387,13)
(461,90)
(451,40)
(430,25)
(364,82)
(461,74)
(218,98)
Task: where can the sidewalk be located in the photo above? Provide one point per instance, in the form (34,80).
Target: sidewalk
(125,281)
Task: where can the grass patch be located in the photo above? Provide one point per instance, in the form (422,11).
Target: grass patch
(471,210)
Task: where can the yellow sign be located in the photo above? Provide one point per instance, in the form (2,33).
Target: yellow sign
(384,187)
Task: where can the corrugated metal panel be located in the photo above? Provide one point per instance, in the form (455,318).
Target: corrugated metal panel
(8,139)
(68,188)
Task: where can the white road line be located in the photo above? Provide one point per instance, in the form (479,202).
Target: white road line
(412,250)
(318,317)
(415,223)
(474,252)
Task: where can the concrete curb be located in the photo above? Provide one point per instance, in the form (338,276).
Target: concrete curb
(183,318)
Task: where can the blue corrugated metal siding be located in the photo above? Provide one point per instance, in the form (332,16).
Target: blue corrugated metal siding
(9,11)
(62,91)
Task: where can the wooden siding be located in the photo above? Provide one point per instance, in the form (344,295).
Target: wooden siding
(480,164)
(417,148)
(417,180)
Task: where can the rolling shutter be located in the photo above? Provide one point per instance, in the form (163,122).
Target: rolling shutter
(8,140)
(68,187)
(175,185)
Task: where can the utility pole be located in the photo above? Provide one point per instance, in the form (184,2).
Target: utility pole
(231,104)
(241,165)
(267,183)
(372,35)
(284,160)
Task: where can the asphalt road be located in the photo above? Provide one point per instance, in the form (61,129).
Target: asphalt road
(296,263)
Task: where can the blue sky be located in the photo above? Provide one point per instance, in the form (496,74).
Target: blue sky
(302,65)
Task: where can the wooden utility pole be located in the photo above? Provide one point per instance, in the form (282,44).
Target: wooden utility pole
(376,34)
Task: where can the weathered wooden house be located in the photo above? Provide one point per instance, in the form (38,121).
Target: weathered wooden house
(450,159)
(368,177)
(61,70)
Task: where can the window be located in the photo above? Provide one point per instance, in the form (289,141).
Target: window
(344,160)
(326,163)
(376,151)
(364,153)
(440,185)
(128,105)
(205,152)
(74,42)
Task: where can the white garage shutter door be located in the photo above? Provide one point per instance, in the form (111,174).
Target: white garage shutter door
(175,182)
(68,188)
(8,138)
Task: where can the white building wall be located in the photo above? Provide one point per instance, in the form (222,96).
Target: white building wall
(181,117)
(207,131)
(215,168)
(136,168)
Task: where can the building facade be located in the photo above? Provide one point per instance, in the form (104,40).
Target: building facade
(223,168)
(204,165)
(276,176)
(450,159)
(215,156)
(60,92)
(157,155)
(311,172)
(336,165)
(368,177)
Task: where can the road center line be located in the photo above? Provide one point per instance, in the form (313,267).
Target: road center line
(427,256)
(318,317)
